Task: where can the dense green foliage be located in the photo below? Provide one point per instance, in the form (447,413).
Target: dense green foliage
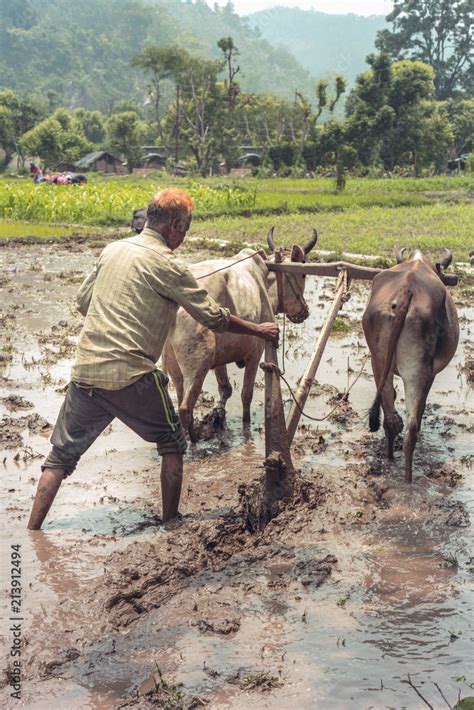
(79,55)
(438,32)
(189,98)
(107,201)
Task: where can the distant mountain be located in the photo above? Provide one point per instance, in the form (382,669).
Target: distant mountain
(324,44)
(78,53)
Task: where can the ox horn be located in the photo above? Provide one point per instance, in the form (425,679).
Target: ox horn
(270,241)
(444,263)
(400,255)
(307,247)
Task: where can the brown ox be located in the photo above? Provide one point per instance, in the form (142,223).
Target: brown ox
(411,328)
(250,291)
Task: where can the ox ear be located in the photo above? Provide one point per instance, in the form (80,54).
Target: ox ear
(297,253)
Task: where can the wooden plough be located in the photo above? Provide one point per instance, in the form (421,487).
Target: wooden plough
(279,470)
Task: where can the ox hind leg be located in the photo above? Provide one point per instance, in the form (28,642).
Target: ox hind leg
(417,387)
(392,422)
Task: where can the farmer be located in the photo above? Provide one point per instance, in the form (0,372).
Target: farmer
(129,302)
(36,173)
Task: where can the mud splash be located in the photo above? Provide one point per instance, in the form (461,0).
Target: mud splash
(360,582)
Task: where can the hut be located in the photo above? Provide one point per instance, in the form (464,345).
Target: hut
(153,160)
(100,160)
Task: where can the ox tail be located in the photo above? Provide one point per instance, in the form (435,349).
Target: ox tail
(403,303)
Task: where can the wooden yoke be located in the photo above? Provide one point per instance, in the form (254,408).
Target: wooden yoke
(333,268)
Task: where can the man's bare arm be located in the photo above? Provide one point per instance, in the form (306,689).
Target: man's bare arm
(267,331)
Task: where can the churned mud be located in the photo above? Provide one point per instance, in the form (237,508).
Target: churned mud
(359,587)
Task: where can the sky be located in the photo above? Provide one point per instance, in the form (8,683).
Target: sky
(358,7)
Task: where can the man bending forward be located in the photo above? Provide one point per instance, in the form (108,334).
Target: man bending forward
(129,302)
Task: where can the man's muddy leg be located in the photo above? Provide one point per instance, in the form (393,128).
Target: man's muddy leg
(48,486)
(171,480)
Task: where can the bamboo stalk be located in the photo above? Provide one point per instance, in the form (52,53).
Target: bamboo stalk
(308,377)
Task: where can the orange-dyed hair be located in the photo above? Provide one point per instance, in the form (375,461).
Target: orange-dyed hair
(169,204)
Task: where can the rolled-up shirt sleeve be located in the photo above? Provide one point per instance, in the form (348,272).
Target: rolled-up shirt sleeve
(185,290)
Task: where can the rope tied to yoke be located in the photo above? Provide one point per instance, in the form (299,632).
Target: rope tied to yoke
(274,369)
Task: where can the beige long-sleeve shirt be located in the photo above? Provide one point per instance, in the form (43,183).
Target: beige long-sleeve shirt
(130,301)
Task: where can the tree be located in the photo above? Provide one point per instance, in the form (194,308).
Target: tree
(438,32)
(125,132)
(159,63)
(7,135)
(92,125)
(340,86)
(73,141)
(17,115)
(437,135)
(202,107)
(461,117)
(324,100)
(322,96)
(45,141)
(385,121)
(55,139)
(230,51)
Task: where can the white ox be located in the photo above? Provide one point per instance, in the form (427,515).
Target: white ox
(250,291)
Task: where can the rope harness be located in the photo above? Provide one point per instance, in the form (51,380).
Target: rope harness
(229,266)
(270,367)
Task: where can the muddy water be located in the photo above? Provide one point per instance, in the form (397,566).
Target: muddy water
(397,601)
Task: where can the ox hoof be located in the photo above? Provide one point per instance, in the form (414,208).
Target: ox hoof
(218,417)
(193,436)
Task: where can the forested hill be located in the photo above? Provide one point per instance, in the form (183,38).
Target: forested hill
(324,44)
(78,53)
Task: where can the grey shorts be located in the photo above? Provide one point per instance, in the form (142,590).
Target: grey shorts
(144,406)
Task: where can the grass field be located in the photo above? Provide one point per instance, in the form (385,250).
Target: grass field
(369,217)
(375,231)
(14,230)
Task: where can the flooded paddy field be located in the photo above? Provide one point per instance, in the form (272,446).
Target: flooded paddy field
(361,586)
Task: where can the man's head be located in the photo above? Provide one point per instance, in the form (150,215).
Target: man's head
(170,214)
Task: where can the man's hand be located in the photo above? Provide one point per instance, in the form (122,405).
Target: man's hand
(269,331)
